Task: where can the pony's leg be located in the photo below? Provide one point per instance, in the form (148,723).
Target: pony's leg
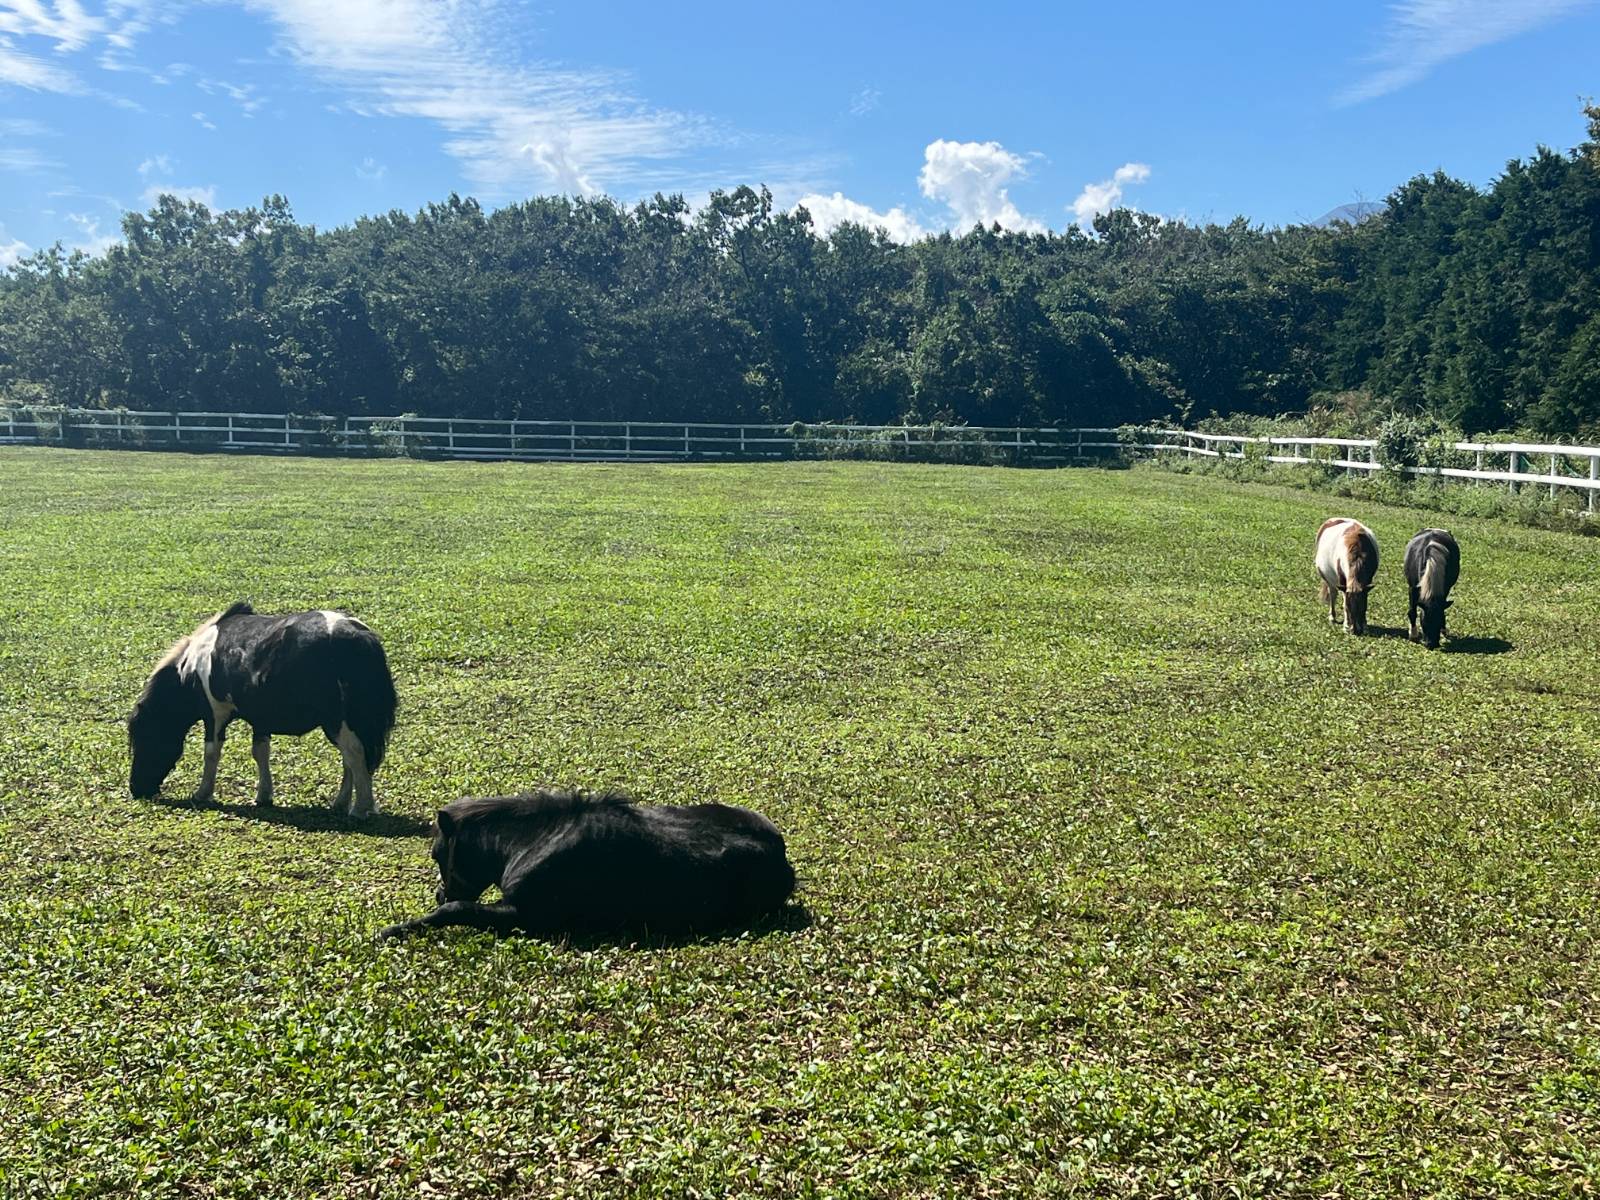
(501,918)
(355,765)
(208,773)
(1411,618)
(261,751)
(342,802)
(1331,599)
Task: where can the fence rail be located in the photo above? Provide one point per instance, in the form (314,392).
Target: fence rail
(1570,467)
(541,440)
(1574,467)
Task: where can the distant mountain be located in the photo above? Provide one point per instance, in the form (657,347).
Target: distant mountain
(1350,214)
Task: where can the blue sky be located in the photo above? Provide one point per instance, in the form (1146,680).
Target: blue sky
(921,117)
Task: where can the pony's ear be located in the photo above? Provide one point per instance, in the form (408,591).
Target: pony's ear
(445,822)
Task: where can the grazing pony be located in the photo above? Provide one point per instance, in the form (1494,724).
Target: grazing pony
(288,674)
(1433,563)
(571,862)
(1347,559)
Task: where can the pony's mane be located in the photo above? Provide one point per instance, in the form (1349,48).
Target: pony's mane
(239,609)
(1432,581)
(541,803)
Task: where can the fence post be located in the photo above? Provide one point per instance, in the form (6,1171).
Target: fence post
(288,444)
(230,431)
(627,440)
(177,427)
(1479,482)
(1078,454)
(572,440)
(686,440)
(741,442)
(1511,484)
(1594,477)
(450,437)
(1372,457)
(1552,477)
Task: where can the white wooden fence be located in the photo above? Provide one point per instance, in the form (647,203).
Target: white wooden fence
(1575,467)
(537,441)
(1572,467)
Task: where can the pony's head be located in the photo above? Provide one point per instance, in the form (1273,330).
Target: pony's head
(1355,610)
(1433,616)
(465,870)
(161,717)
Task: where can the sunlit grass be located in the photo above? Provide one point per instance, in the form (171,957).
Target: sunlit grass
(1126,874)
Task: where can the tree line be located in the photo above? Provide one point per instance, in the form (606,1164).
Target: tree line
(1476,306)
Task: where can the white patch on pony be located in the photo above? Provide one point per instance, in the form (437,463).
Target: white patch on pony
(354,754)
(334,619)
(194,663)
(1330,551)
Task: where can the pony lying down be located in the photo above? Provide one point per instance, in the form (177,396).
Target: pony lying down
(575,863)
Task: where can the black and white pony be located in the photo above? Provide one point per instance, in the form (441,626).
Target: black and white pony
(1433,564)
(285,674)
(574,863)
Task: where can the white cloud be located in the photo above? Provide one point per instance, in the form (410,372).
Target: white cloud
(25,160)
(242,94)
(66,23)
(11,249)
(1421,34)
(156,164)
(829,212)
(205,121)
(22,127)
(200,195)
(864,101)
(91,240)
(513,128)
(371,169)
(23,70)
(1097,198)
(971,178)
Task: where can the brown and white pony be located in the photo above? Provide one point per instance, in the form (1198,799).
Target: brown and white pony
(1347,559)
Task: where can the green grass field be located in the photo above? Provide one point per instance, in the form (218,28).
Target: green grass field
(1125,874)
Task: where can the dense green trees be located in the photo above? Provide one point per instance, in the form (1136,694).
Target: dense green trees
(1479,306)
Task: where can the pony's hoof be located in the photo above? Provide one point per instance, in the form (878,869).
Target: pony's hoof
(393,932)
(263,799)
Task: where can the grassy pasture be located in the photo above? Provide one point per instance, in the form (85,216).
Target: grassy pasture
(1122,873)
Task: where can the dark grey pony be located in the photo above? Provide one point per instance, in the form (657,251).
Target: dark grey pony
(286,674)
(575,863)
(1433,563)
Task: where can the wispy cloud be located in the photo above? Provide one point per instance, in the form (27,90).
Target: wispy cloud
(1097,198)
(513,127)
(371,170)
(11,249)
(199,195)
(244,95)
(864,101)
(91,239)
(156,164)
(25,71)
(1421,34)
(204,121)
(24,127)
(27,160)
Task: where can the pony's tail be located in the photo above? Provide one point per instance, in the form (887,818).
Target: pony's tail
(369,696)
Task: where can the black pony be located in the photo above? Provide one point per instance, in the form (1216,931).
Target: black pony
(1433,563)
(288,674)
(569,862)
